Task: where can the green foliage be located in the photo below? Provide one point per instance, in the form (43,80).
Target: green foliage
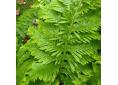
(64,48)
(25,21)
(23,7)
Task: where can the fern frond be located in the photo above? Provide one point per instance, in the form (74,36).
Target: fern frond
(64,47)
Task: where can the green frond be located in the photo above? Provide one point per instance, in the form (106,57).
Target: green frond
(45,72)
(25,21)
(63,48)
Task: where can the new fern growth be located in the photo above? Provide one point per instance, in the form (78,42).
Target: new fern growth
(63,49)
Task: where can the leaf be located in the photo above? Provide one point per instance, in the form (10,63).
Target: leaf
(45,72)
(76,57)
(77,35)
(72,66)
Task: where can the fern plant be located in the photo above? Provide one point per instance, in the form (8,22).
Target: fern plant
(64,48)
(27,18)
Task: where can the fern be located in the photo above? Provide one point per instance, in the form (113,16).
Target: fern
(25,21)
(64,47)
